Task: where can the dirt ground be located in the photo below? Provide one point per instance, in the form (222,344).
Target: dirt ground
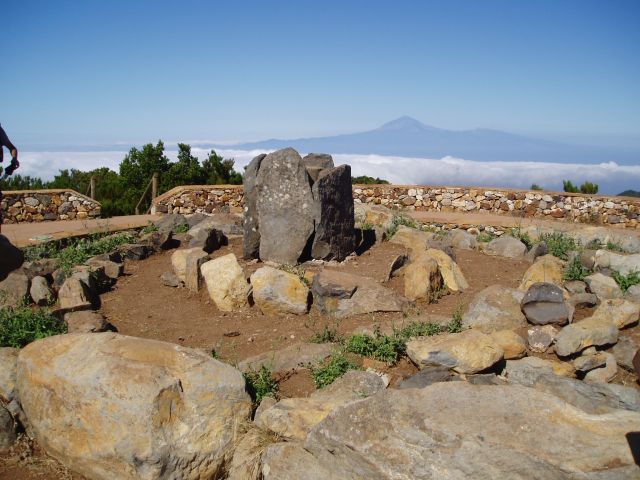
(140,305)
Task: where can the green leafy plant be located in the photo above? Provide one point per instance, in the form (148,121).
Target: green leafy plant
(455,325)
(261,384)
(626,281)
(366,180)
(575,270)
(535,186)
(22,325)
(182,228)
(524,237)
(559,244)
(326,335)
(586,187)
(485,237)
(396,222)
(385,348)
(366,226)
(150,227)
(614,247)
(297,270)
(337,366)
(593,244)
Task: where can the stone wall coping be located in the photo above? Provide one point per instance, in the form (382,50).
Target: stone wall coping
(186,188)
(8,193)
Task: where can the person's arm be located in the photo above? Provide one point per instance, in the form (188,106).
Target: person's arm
(4,141)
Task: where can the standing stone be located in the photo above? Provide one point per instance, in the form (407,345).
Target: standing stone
(192,274)
(226,283)
(316,162)
(285,208)
(179,260)
(334,219)
(40,292)
(251,238)
(114,407)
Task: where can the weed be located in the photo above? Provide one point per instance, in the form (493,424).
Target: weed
(337,366)
(626,281)
(559,244)
(297,270)
(418,329)
(22,325)
(261,384)
(214,354)
(182,228)
(524,237)
(385,348)
(366,226)
(593,244)
(575,270)
(436,295)
(485,237)
(396,222)
(455,325)
(327,335)
(614,247)
(150,228)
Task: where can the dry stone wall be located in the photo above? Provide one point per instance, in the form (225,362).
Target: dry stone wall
(41,205)
(594,209)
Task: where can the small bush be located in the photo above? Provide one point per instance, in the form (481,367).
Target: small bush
(614,247)
(337,366)
(261,384)
(386,348)
(151,227)
(418,329)
(535,186)
(575,270)
(559,244)
(182,228)
(396,222)
(326,335)
(455,325)
(626,281)
(22,325)
(594,244)
(485,237)
(522,236)
(366,226)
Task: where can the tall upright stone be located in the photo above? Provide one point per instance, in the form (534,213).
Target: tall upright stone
(285,207)
(316,162)
(251,237)
(334,219)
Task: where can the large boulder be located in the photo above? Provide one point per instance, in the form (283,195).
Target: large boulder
(624,264)
(315,163)
(226,283)
(470,351)
(14,289)
(546,269)
(8,359)
(285,207)
(422,278)
(251,232)
(544,304)
(586,333)
(208,239)
(75,295)
(621,313)
(109,406)
(415,240)
(455,430)
(495,308)
(295,417)
(7,429)
(276,292)
(603,286)
(334,220)
(451,274)
(506,246)
(343,294)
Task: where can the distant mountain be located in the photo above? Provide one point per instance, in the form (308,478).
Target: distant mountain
(408,137)
(629,193)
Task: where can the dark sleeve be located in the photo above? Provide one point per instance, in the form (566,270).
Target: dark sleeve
(4,140)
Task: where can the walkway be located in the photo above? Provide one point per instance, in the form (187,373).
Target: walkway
(24,234)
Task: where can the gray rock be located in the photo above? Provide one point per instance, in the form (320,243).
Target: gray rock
(544,304)
(41,268)
(11,257)
(396,264)
(495,308)
(251,230)
(193,279)
(343,294)
(588,259)
(14,289)
(622,263)
(585,363)
(134,251)
(170,279)
(7,429)
(315,163)
(580,335)
(168,223)
(575,287)
(112,269)
(40,292)
(265,404)
(195,219)
(593,398)
(624,351)
(526,370)
(74,295)
(583,300)
(604,287)
(506,246)
(605,373)
(160,240)
(426,377)
(228,224)
(293,357)
(209,239)
(87,322)
(541,337)
(537,250)
(458,238)
(633,293)
(334,219)
(285,207)
(8,359)
(436,432)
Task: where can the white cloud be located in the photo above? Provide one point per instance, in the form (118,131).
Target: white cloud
(450,171)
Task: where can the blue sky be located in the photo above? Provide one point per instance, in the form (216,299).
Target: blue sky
(135,71)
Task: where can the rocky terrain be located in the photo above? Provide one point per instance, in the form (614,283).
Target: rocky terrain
(423,362)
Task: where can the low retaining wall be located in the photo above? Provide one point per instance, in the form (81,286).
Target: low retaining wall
(23,206)
(594,209)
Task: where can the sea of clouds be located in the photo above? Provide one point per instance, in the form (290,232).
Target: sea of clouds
(611,177)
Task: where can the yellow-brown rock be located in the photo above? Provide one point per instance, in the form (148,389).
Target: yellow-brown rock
(276,291)
(546,269)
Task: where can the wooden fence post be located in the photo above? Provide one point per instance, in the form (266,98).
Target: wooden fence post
(93,188)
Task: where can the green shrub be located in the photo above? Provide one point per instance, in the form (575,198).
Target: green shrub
(396,222)
(614,247)
(594,244)
(151,227)
(386,348)
(575,270)
(559,244)
(524,237)
(485,237)
(455,325)
(297,270)
(326,335)
(182,228)
(261,384)
(366,226)
(337,366)
(535,186)
(22,325)
(626,281)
